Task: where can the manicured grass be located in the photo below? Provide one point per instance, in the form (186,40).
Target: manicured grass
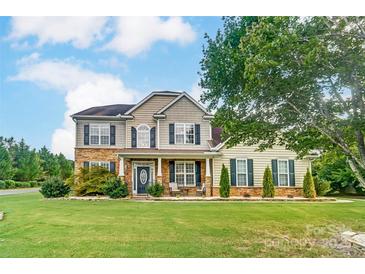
(34,227)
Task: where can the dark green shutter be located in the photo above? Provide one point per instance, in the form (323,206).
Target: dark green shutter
(171,134)
(86,134)
(197,134)
(112,167)
(250,172)
(172,171)
(86,164)
(274,169)
(134,136)
(112,135)
(153,137)
(233,172)
(198,173)
(291,173)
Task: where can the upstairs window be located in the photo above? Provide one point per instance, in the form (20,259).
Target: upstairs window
(143,136)
(99,134)
(283,172)
(184,133)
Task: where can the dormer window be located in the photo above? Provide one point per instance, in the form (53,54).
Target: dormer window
(143,136)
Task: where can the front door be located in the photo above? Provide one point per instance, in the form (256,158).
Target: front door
(143,178)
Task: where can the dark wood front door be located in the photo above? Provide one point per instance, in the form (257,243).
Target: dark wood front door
(143,179)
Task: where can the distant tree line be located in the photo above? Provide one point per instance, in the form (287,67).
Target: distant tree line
(21,163)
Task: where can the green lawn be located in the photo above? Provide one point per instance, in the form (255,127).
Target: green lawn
(34,227)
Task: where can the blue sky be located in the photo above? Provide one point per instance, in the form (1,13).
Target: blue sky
(52,67)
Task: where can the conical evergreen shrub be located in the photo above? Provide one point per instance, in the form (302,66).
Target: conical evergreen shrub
(224,186)
(268,189)
(309,189)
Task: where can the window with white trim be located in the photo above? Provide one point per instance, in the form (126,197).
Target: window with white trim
(241,171)
(99,134)
(103,164)
(283,172)
(143,136)
(184,133)
(185,173)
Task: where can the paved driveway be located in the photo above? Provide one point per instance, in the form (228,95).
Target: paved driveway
(18,191)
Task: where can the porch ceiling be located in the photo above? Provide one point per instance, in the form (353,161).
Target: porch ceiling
(166,153)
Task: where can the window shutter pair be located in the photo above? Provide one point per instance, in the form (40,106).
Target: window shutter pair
(275,173)
(197,134)
(153,137)
(198,173)
(86,134)
(233,169)
(112,135)
(134,136)
(172,134)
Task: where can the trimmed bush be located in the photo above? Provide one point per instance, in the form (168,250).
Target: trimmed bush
(22,184)
(322,186)
(115,188)
(224,184)
(2,184)
(54,187)
(90,181)
(155,190)
(308,186)
(10,184)
(268,189)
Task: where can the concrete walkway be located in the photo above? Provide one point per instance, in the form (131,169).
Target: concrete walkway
(18,191)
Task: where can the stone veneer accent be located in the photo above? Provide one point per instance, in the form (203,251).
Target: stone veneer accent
(95,154)
(257,191)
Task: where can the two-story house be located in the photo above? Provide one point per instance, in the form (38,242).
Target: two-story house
(168,138)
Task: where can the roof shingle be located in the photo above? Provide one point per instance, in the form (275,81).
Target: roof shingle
(109,110)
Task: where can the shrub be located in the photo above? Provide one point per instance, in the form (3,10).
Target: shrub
(268,189)
(54,187)
(90,181)
(155,190)
(22,184)
(322,187)
(2,184)
(115,188)
(308,186)
(10,184)
(224,186)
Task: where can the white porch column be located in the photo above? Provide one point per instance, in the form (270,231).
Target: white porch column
(121,166)
(207,167)
(159,167)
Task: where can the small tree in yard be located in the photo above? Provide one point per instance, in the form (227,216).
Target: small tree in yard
(224,186)
(268,189)
(308,186)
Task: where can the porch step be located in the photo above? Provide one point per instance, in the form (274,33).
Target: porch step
(140,197)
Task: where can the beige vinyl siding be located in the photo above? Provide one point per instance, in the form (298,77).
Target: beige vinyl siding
(184,111)
(119,133)
(260,161)
(144,114)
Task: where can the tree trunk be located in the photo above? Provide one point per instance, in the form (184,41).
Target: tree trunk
(357,172)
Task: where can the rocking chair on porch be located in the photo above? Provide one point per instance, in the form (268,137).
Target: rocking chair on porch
(201,191)
(174,189)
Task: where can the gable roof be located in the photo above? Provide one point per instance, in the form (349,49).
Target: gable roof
(144,100)
(182,95)
(109,110)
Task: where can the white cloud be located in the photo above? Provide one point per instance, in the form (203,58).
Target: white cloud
(137,34)
(196,91)
(83,89)
(80,31)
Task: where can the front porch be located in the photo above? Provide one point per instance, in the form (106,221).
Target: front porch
(142,169)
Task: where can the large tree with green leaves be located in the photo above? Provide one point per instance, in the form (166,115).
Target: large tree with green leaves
(298,82)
